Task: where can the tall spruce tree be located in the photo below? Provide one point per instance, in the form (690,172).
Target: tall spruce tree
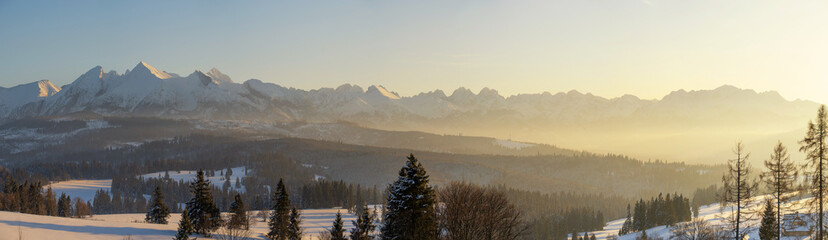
(203,212)
(50,203)
(294,226)
(337,232)
(769,225)
(158,212)
(411,213)
(628,224)
(185,227)
(779,179)
(814,147)
(238,215)
(363,227)
(64,206)
(738,189)
(279,219)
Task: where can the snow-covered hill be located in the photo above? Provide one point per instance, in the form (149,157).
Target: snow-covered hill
(714,214)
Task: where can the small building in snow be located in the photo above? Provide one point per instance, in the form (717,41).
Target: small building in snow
(794,225)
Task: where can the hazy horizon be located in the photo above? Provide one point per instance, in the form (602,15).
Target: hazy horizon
(647,49)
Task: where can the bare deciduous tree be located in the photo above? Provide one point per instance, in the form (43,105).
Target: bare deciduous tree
(698,229)
(467,212)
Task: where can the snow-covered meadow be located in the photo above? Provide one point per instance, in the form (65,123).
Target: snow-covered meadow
(131,226)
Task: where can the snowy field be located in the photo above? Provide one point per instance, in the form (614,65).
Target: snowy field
(711,213)
(130,226)
(85,189)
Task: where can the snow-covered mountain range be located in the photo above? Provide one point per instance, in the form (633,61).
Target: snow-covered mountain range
(147,91)
(683,125)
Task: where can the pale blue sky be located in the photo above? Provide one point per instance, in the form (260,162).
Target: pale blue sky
(609,48)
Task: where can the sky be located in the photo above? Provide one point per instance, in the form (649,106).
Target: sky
(605,47)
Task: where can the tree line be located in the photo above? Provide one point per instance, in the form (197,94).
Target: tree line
(657,211)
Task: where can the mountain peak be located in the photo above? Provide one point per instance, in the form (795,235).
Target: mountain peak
(379,89)
(47,88)
(95,71)
(220,77)
(144,68)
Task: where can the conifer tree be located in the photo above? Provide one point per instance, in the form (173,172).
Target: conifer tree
(185,227)
(280,217)
(50,202)
(204,214)
(294,227)
(769,227)
(363,227)
(780,178)
(814,147)
(337,232)
(411,213)
(64,208)
(627,227)
(158,212)
(238,215)
(738,189)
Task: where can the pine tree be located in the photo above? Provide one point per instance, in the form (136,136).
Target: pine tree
(738,189)
(238,217)
(769,227)
(628,224)
(814,147)
(337,233)
(363,227)
(203,212)
(64,208)
(780,178)
(185,227)
(158,212)
(294,227)
(279,219)
(411,213)
(50,202)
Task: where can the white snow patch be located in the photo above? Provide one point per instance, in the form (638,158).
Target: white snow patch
(84,189)
(512,144)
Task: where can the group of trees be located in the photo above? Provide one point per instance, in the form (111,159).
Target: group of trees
(556,215)
(780,179)
(466,211)
(658,211)
(201,215)
(326,194)
(30,198)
